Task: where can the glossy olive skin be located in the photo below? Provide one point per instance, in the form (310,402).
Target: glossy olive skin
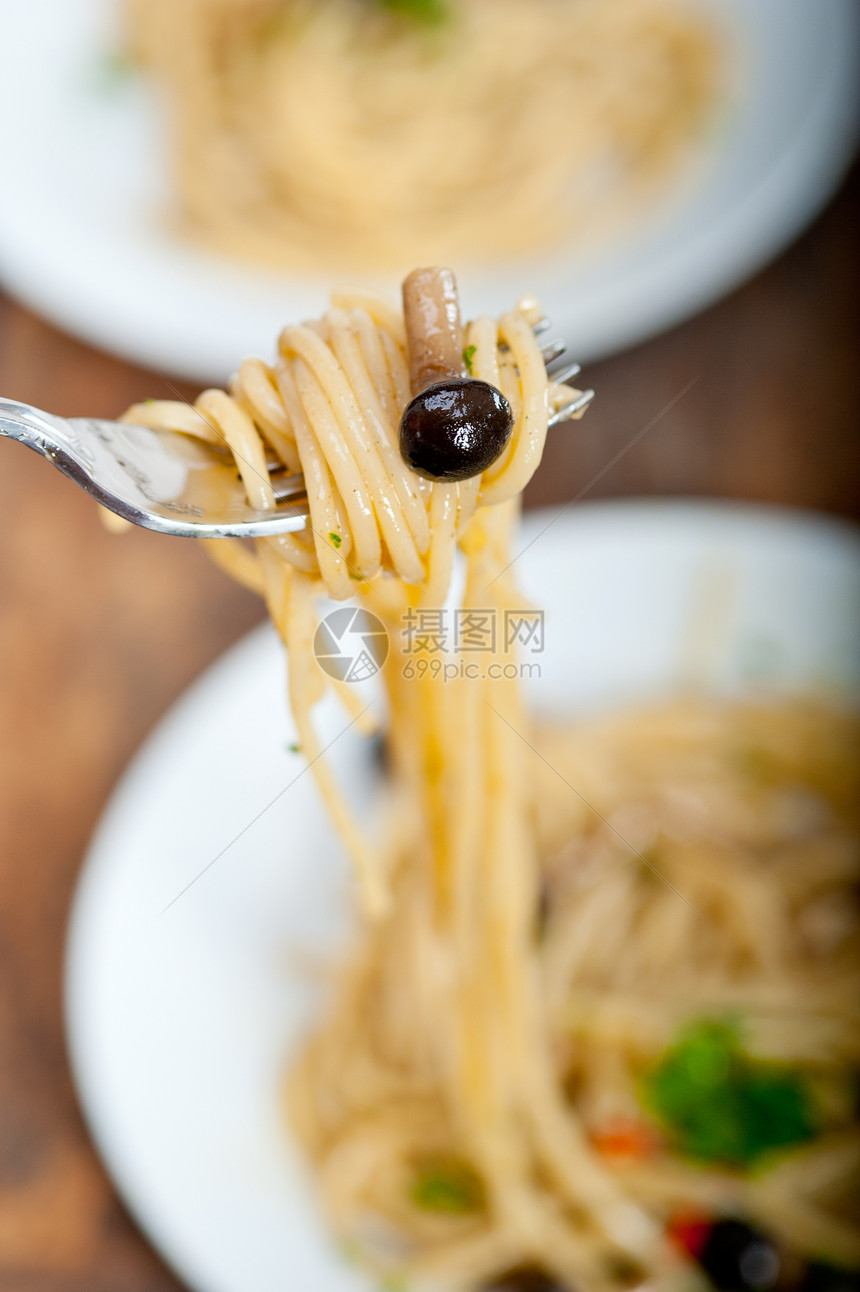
(728,1249)
(455,429)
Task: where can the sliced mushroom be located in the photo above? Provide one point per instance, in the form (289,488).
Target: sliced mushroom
(455,425)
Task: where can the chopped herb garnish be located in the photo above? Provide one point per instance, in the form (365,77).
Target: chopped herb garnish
(757,765)
(429,11)
(275,26)
(114,69)
(350,1251)
(448,1185)
(335,539)
(356,577)
(149,400)
(294,748)
(718,1104)
(468,356)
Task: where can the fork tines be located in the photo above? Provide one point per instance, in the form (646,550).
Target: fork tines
(551,351)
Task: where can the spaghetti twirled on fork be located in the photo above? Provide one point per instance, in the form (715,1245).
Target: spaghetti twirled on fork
(499,1083)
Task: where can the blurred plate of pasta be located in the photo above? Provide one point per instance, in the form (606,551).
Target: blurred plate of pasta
(211,896)
(175,172)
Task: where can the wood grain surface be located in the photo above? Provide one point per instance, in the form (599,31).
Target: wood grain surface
(99,634)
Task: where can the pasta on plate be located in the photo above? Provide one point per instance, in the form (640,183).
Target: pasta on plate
(352,135)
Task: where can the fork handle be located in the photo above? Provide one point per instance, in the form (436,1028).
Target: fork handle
(50,436)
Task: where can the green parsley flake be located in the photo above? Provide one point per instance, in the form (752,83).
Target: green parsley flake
(427,11)
(447,1185)
(294,748)
(718,1104)
(335,539)
(468,356)
(350,1251)
(113,71)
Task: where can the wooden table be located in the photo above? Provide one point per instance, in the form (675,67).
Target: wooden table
(99,634)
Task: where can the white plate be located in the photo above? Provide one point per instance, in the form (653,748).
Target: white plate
(180,1021)
(81,237)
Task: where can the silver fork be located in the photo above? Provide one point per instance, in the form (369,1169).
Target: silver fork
(174,484)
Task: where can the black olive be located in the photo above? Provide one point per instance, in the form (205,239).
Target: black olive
(455,429)
(526,1278)
(737,1258)
(828,1278)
